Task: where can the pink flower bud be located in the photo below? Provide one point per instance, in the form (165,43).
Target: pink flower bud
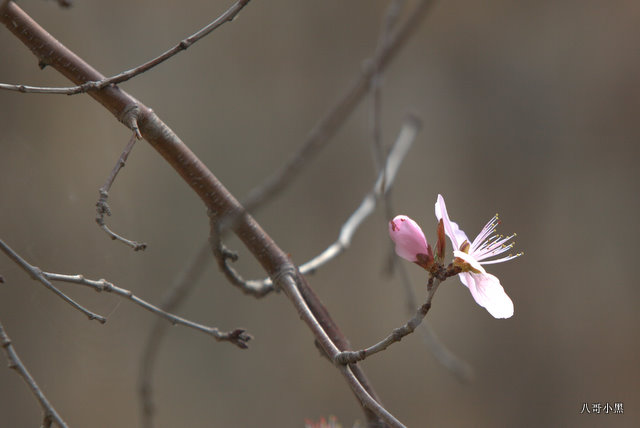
(411,243)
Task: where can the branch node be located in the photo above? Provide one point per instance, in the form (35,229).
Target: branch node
(286,270)
(228,254)
(130,118)
(349,357)
(238,337)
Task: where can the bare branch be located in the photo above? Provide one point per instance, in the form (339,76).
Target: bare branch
(102,207)
(350,357)
(291,282)
(390,20)
(456,365)
(238,336)
(338,114)
(50,414)
(37,274)
(461,369)
(178,292)
(437,274)
(93,85)
(383,183)
(215,196)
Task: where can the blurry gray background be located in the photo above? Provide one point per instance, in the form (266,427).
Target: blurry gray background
(529,109)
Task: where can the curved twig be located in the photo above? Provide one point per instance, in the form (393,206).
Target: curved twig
(102,207)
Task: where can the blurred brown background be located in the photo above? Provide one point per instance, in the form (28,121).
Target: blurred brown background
(529,109)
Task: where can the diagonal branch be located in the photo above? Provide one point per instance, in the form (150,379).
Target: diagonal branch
(383,184)
(92,85)
(37,274)
(456,365)
(350,357)
(437,274)
(297,290)
(215,196)
(237,337)
(50,414)
(321,133)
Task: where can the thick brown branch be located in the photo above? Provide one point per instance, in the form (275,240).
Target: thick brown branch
(220,203)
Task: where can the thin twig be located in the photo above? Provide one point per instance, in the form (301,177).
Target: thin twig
(102,207)
(322,132)
(183,285)
(437,274)
(456,365)
(37,274)
(288,282)
(223,255)
(50,414)
(238,336)
(350,357)
(460,368)
(227,16)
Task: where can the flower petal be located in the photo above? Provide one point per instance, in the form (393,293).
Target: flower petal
(488,293)
(408,236)
(454,233)
(470,260)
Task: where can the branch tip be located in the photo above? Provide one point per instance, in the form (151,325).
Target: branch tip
(238,337)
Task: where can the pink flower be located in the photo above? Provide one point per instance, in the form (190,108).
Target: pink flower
(410,241)
(484,287)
